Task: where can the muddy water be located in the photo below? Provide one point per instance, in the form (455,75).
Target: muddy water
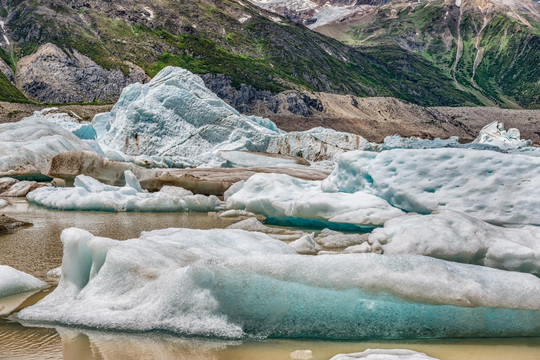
(38,249)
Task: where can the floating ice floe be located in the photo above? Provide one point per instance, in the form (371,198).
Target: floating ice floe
(457,237)
(90,194)
(495,135)
(10,187)
(13,282)
(492,186)
(177,119)
(287,200)
(27,146)
(384,354)
(232,284)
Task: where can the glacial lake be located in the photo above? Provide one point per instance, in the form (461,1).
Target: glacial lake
(38,249)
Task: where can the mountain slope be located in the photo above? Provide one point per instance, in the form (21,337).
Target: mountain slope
(491,48)
(234,38)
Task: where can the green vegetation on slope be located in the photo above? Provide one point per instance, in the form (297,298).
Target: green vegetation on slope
(206,36)
(499,61)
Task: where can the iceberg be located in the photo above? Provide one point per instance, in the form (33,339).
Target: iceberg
(90,194)
(176,118)
(494,134)
(458,237)
(384,354)
(27,146)
(233,284)
(13,281)
(492,186)
(287,200)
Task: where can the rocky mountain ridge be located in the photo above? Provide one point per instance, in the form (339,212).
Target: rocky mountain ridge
(232,38)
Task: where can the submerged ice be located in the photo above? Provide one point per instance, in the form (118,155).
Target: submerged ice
(90,194)
(232,284)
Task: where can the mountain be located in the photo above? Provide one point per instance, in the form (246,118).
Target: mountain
(491,48)
(60,51)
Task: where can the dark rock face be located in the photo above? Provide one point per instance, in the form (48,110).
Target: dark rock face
(7,224)
(248,100)
(52,76)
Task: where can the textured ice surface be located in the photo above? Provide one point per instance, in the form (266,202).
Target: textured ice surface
(13,282)
(83,130)
(384,354)
(305,245)
(3,203)
(335,239)
(285,199)
(231,283)
(457,237)
(90,194)
(177,119)
(495,135)
(250,159)
(27,146)
(492,186)
(176,116)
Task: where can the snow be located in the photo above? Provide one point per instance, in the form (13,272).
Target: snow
(287,200)
(27,146)
(492,186)
(232,284)
(13,282)
(384,354)
(495,135)
(4,33)
(457,237)
(90,194)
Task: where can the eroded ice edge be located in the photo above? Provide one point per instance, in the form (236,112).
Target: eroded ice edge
(233,284)
(13,281)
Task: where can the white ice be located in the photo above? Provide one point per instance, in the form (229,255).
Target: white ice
(176,120)
(306,245)
(3,203)
(457,237)
(232,283)
(27,146)
(489,185)
(384,354)
(286,199)
(13,282)
(495,135)
(90,194)
(335,239)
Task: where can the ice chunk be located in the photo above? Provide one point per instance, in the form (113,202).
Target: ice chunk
(384,354)
(71,122)
(10,187)
(175,191)
(284,199)
(335,239)
(250,159)
(253,224)
(176,118)
(13,282)
(492,186)
(27,146)
(495,135)
(3,203)
(231,283)
(241,214)
(305,245)
(301,355)
(457,237)
(90,194)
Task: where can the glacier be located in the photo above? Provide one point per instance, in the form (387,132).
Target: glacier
(90,194)
(13,281)
(236,284)
(492,186)
(287,200)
